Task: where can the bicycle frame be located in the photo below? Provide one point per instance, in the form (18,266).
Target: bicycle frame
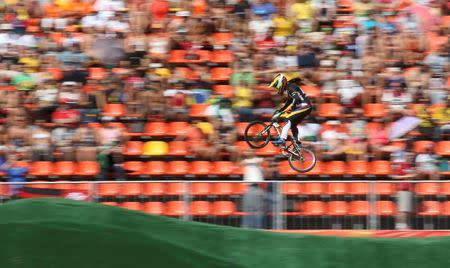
(277,126)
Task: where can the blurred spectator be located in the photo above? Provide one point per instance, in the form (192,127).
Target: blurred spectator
(41,146)
(333,147)
(253,206)
(62,137)
(427,163)
(109,139)
(223,139)
(14,172)
(84,141)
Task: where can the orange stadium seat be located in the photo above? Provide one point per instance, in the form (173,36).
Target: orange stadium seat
(384,188)
(291,188)
(225,90)
(445,189)
(114,110)
(359,188)
(177,56)
(96,73)
(175,208)
(330,110)
(222,188)
(359,208)
(285,169)
(427,188)
(64,168)
(200,188)
(223,39)
(314,188)
(178,148)
(240,188)
(223,208)
(177,128)
(153,189)
(313,208)
(386,208)
(131,189)
(420,146)
(336,188)
(56,73)
(156,168)
(199,110)
(374,110)
(133,168)
(443,148)
(158,129)
(178,168)
(336,168)
(176,188)
(222,56)
(380,168)
(223,168)
(155,208)
(88,168)
(200,208)
(221,73)
(133,148)
(41,168)
(136,206)
(337,208)
(445,206)
(108,189)
(317,170)
(200,168)
(429,208)
(357,168)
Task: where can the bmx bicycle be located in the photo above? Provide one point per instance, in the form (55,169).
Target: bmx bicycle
(257,134)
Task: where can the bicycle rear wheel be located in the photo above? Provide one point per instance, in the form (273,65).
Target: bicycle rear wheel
(257,134)
(303,161)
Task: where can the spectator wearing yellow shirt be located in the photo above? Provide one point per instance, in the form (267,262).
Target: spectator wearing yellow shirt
(243,101)
(441,117)
(284,27)
(302,12)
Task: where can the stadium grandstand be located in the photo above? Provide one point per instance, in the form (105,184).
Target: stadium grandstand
(143,104)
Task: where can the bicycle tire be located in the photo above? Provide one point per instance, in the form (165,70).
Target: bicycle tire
(313,164)
(248,138)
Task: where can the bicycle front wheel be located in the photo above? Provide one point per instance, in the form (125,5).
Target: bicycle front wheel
(257,134)
(303,160)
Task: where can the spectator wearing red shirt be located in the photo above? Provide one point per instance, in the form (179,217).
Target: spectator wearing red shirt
(65,115)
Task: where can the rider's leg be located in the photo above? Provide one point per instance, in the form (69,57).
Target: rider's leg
(285,130)
(295,119)
(283,136)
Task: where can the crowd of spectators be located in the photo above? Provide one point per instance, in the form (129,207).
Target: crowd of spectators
(64,64)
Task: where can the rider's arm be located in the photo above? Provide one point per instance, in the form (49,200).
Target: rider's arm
(294,99)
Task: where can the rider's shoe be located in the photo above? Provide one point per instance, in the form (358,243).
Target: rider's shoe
(279,143)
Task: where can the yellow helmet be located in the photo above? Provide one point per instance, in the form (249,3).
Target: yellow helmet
(279,82)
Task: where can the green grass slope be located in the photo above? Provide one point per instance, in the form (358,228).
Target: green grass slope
(63,233)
